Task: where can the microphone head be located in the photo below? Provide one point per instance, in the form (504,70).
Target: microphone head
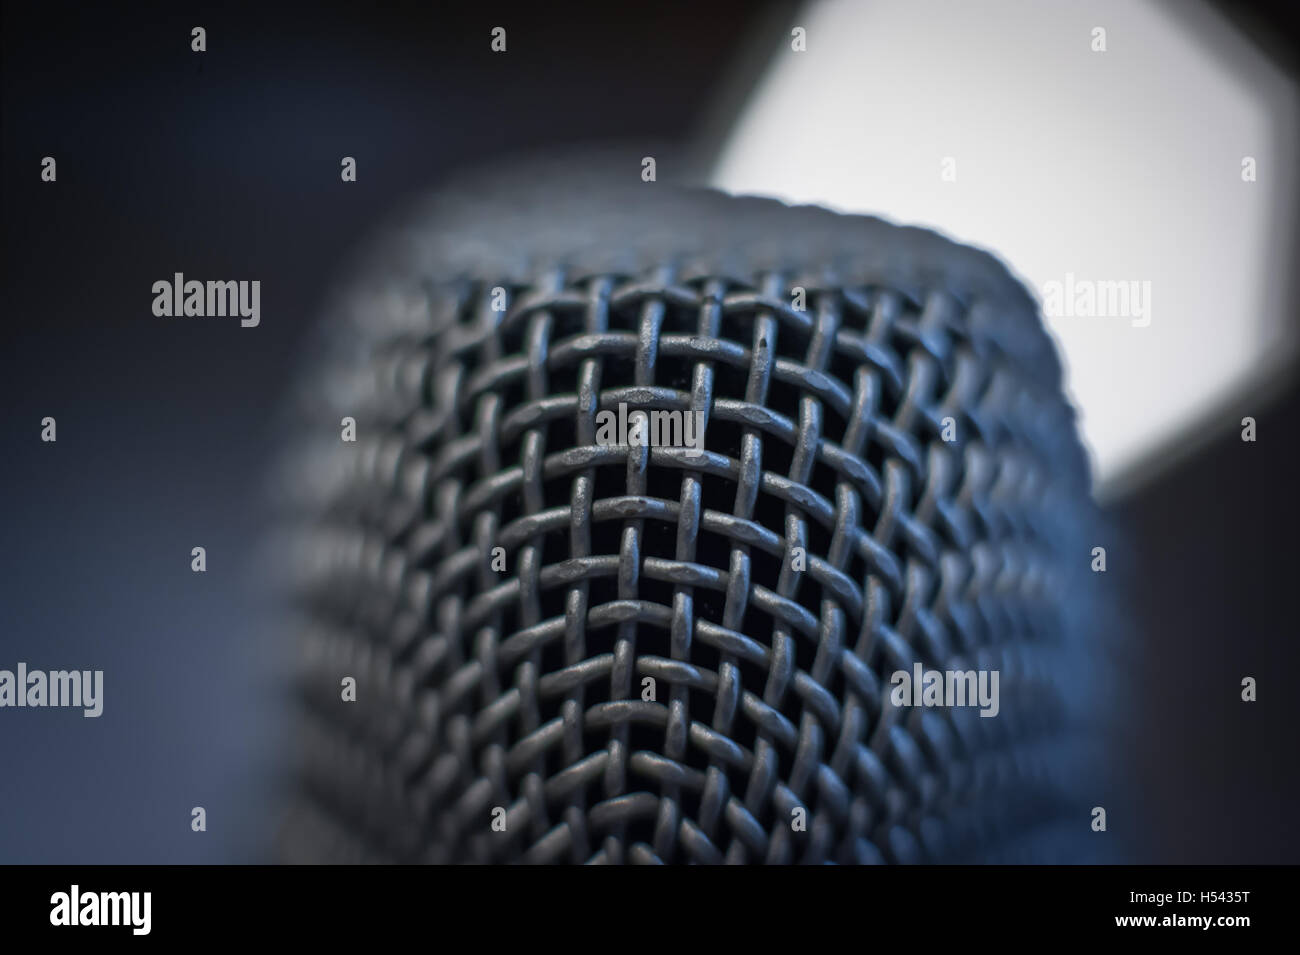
(635,523)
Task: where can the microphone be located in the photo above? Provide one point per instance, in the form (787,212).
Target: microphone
(634,523)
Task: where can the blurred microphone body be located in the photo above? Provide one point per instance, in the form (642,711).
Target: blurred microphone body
(678,527)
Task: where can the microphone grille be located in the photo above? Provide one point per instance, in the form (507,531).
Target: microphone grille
(575,640)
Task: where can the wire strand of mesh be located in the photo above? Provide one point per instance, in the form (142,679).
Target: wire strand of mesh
(570,649)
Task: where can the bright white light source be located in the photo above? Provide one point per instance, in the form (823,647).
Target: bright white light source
(1000,124)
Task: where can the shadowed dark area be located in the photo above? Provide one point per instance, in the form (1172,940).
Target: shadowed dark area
(1211,575)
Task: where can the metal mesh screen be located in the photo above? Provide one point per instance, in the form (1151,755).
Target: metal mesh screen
(656,675)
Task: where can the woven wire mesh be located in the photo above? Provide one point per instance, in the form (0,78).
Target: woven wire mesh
(475,355)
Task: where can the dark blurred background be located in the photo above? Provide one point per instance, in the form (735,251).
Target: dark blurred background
(225,165)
